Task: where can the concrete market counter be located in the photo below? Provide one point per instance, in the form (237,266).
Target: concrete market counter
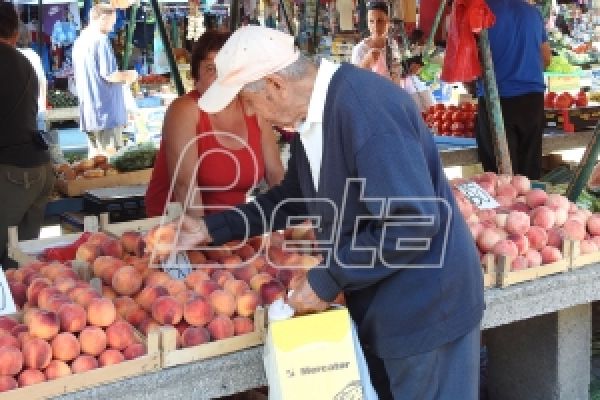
(538,335)
(556,142)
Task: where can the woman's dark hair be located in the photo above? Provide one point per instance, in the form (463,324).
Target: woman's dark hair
(9,20)
(378,5)
(209,41)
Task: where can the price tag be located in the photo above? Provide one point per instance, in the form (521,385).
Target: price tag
(178,267)
(7,303)
(478,196)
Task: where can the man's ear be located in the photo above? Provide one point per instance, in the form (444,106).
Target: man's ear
(276,87)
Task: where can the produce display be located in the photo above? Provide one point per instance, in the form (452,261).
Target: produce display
(61,99)
(565,100)
(136,157)
(560,64)
(153,79)
(67,327)
(530,225)
(452,120)
(85,169)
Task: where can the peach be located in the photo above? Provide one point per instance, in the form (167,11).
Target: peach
(222,302)
(127,281)
(87,252)
(148,325)
(103,262)
(44,296)
(132,242)
(543,217)
(593,224)
(34,288)
(275,255)
(7,383)
(65,346)
(57,369)
(221,327)
(257,243)
(149,294)
(195,277)
(17,329)
(167,310)
(242,325)
(93,340)
(84,363)
(110,357)
(73,317)
(573,229)
(488,238)
(112,247)
(8,340)
(221,276)
(134,350)
(271,291)
(537,237)
(520,241)
(30,377)
(97,238)
(536,198)
(276,239)
(501,218)
(108,292)
(185,296)
(550,254)
(175,286)
(596,239)
(521,183)
(258,263)
(101,312)
(259,279)
(198,312)
(588,246)
(506,248)
(555,237)
(120,335)
(506,189)
(157,278)
(65,284)
(83,296)
(205,288)
(19,292)
(124,304)
(534,258)
(235,286)
(217,254)
(197,258)
(245,252)
(7,323)
(11,360)
(37,353)
(56,302)
(247,303)
(520,206)
(43,324)
(560,216)
(135,316)
(556,201)
(194,336)
(517,222)
(475,229)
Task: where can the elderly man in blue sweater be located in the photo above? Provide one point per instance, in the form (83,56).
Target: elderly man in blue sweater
(365,165)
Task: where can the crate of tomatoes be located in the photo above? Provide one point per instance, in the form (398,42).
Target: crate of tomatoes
(570,113)
(452,120)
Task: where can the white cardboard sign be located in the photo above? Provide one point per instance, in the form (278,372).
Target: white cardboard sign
(478,196)
(7,303)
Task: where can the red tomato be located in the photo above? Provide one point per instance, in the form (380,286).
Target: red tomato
(467,106)
(447,116)
(439,107)
(457,127)
(563,101)
(469,125)
(452,108)
(437,126)
(446,127)
(581,100)
(549,100)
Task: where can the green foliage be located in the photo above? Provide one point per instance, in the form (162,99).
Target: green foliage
(135,157)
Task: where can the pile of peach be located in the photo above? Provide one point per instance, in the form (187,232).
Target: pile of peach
(67,328)
(530,225)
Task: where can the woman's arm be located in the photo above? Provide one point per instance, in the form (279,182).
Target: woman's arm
(179,129)
(273,166)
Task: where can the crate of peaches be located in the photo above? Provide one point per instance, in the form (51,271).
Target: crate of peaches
(67,336)
(531,233)
(217,308)
(74,179)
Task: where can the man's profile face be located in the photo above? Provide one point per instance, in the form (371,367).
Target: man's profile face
(273,105)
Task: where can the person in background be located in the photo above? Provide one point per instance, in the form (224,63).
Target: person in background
(23,45)
(376,52)
(100,85)
(26,175)
(184,122)
(363,160)
(520,53)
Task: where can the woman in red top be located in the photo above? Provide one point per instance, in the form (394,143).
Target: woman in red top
(231,153)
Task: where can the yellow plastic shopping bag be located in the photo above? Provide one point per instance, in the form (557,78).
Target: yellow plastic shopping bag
(313,357)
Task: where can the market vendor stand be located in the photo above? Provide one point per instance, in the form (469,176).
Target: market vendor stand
(538,336)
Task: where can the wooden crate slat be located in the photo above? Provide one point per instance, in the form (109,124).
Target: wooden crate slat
(174,210)
(489,271)
(77,187)
(171,356)
(579,260)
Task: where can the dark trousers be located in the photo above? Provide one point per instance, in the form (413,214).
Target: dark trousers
(524,123)
(24,193)
(450,372)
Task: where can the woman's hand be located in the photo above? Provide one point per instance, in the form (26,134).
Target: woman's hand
(370,58)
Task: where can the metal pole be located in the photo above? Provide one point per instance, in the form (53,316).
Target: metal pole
(39,27)
(586,166)
(434,28)
(129,37)
(492,100)
(165,39)
(234,15)
(362,16)
(315,27)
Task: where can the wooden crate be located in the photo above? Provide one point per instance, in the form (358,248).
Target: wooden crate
(489,271)
(72,383)
(506,277)
(579,260)
(174,210)
(77,187)
(172,356)
(28,250)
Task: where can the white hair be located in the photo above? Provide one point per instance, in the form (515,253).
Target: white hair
(295,71)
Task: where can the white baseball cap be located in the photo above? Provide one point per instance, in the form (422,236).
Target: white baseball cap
(251,53)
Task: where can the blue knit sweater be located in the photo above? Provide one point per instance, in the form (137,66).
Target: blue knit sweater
(401,251)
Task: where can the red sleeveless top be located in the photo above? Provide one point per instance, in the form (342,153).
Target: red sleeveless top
(217,170)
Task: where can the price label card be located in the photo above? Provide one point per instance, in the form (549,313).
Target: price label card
(178,267)
(478,196)
(7,303)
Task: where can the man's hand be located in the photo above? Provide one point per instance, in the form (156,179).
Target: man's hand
(193,232)
(304,300)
